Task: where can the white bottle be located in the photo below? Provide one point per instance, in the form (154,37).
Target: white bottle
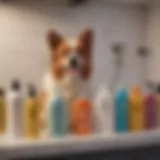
(14,112)
(103,111)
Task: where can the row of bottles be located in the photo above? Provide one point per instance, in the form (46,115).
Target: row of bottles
(124,111)
(73,119)
(135,111)
(18,117)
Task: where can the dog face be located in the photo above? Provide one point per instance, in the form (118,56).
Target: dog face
(72,57)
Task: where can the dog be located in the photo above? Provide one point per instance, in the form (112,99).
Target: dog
(69,69)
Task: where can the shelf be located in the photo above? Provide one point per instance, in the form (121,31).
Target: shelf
(75,144)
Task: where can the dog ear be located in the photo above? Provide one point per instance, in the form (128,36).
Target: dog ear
(85,41)
(54,39)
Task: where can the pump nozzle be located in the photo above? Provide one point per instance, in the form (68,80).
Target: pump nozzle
(15,85)
(31,90)
(2,93)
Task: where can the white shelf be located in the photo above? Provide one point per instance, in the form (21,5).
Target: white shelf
(75,144)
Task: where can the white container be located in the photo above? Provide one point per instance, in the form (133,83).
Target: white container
(14,112)
(103,111)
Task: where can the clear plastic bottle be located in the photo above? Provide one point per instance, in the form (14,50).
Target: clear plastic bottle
(103,111)
(15,111)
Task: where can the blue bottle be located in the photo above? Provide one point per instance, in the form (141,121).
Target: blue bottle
(57,119)
(121,111)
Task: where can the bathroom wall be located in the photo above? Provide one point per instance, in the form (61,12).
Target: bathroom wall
(153,40)
(24,23)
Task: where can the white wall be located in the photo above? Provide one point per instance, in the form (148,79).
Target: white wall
(23,25)
(153,37)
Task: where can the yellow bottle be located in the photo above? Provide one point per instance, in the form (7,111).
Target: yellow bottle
(31,113)
(136,110)
(2,112)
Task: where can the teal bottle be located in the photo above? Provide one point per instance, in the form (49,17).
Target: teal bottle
(121,111)
(57,119)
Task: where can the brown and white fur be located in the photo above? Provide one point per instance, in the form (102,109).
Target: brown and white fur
(69,69)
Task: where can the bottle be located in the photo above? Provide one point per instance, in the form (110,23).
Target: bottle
(57,116)
(103,111)
(69,93)
(121,111)
(2,111)
(136,110)
(158,105)
(81,116)
(31,113)
(14,111)
(150,109)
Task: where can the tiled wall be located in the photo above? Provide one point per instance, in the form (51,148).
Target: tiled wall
(23,25)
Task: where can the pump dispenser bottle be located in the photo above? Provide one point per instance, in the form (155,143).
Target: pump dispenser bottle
(31,113)
(103,111)
(57,116)
(136,109)
(15,111)
(121,111)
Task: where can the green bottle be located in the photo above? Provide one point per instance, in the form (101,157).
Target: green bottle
(57,119)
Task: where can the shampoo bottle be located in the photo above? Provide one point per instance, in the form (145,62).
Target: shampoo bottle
(103,111)
(150,110)
(2,112)
(136,110)
(14,111)
(158,105)
(31,112)
(121,111)
(57,116)
(81,116)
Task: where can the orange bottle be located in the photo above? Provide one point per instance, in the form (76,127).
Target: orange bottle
(81,116)
(136,110)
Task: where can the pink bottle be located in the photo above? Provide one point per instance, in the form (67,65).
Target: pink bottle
(150,110)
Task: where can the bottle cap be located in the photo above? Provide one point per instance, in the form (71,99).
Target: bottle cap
(158,89)
(135,89)
(15,85)
(2,93)
(31,90)
(122,92)
(151,86)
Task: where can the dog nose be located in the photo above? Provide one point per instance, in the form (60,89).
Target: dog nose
(74,62)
